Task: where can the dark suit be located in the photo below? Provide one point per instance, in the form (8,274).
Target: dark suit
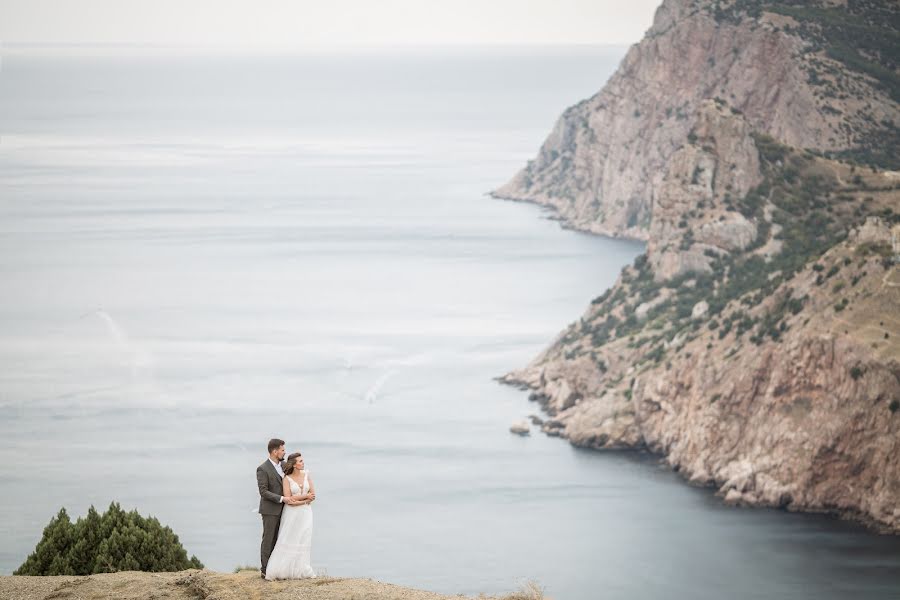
(269,482)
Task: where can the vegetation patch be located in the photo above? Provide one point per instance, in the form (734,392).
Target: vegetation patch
(863,37)
(812,211)
(114,541)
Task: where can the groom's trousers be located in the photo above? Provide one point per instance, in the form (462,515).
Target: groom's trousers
(269,536)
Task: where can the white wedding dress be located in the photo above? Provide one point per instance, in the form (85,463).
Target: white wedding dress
(290,557)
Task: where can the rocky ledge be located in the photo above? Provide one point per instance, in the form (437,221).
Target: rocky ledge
(210,585)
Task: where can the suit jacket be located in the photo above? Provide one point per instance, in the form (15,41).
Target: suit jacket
(269,482)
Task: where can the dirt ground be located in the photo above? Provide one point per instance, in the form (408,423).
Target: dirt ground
(210,585)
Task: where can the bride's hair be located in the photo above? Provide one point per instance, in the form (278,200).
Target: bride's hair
(291,462)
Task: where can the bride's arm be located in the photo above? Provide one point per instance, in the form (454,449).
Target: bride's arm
(289,498)
(286,489)
(309,496)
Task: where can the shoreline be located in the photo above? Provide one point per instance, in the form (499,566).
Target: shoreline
(553,429)
(564,221)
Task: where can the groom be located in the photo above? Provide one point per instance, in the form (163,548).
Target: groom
(268,479)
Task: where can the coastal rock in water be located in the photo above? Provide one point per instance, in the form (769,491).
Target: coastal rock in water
(520,428)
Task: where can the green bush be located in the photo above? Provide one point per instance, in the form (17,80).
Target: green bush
(114,541)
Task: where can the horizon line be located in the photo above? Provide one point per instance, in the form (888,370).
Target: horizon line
(149,49)
(80,44)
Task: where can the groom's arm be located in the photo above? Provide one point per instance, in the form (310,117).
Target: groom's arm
(264,487)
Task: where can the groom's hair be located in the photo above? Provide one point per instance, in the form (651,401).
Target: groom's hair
(275,443)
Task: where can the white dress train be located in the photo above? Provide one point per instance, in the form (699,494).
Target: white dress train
(290,557)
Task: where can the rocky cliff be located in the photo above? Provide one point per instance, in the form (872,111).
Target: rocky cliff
(756,344)
(785,65)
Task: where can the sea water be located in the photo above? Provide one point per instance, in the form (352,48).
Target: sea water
(201,251)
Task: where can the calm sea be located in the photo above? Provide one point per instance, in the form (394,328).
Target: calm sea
(198,253)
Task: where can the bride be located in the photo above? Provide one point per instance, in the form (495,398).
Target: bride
(290,557)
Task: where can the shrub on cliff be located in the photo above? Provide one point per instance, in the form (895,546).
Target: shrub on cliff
(114,541)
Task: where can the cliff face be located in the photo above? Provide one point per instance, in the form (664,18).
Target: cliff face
(756,344)
(603,163)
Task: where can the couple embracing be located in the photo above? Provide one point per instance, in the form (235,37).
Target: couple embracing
(285,494)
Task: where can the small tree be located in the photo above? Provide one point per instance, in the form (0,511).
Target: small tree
(114,541)
(50,555)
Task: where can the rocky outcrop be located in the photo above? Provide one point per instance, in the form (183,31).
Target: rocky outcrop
(602,166)
(721,160)
(807,421)
(756,344)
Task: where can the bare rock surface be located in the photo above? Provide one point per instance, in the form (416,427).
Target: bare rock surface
(602,165)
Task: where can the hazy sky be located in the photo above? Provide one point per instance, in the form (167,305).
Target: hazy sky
(280,23)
